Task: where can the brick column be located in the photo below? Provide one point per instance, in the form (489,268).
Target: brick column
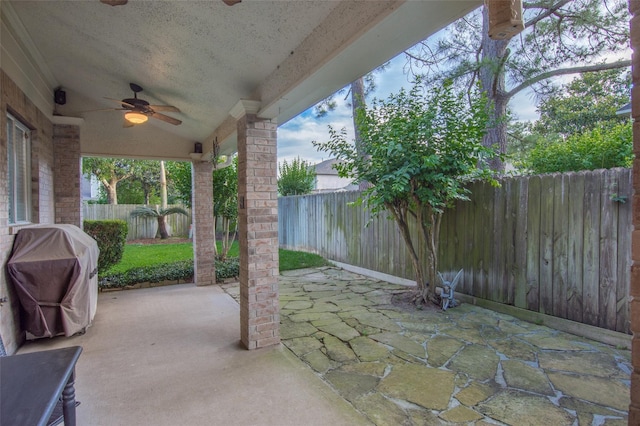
(67,171)
(258,227)
(204,268)
(634,408)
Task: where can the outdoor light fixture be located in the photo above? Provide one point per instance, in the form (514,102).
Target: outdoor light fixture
(135,117)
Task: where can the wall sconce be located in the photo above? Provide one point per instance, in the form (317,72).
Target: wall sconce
(135,117)
(197,148)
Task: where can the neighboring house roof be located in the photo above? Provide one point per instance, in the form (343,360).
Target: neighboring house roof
(326,167)
(625,110)
(327,179)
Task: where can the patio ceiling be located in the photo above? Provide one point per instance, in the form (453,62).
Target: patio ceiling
(202,57)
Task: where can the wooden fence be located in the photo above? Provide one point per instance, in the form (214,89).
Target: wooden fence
(556,244)
(139,227)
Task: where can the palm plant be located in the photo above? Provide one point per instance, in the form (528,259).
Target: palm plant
(160,215)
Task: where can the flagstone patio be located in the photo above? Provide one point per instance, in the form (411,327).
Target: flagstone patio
(399,365)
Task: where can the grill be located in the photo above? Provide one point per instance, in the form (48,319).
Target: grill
(54,272)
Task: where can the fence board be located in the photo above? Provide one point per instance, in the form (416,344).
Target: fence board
(555,244)
(139,228)
(625,226)
(547,200)
(508,241)
(533,244)
(496,284)
(521,237)
(575,247)
(591,265)
(560,244)
(608,253)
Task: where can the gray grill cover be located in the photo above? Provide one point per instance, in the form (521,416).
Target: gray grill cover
(54,271)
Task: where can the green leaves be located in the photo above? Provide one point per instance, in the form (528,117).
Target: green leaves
(418,146)
(296,178)
(144,211)
(601,148)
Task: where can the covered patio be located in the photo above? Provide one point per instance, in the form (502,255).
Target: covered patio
(234,73)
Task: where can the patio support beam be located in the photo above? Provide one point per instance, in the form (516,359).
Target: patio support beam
(258,227)
(634,407)
(67,171)
(204,269)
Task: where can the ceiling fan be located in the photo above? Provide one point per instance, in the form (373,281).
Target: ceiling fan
(139,110)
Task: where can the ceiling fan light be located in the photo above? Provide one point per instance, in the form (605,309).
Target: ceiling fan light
(135,117)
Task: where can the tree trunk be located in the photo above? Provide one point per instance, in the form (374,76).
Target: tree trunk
(492,81)
(358,102)
(429,222)
(401,220)
(162,228)
(112,193)
(163,186)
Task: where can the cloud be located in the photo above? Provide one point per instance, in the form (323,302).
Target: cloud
(295,136)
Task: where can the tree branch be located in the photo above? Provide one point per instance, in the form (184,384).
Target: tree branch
(565,71)
(549,11)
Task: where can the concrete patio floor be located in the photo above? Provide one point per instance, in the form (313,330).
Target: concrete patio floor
(171,355)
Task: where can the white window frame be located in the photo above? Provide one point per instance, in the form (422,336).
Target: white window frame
(19,162)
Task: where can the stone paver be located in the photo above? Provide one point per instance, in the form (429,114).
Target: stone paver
(467,365)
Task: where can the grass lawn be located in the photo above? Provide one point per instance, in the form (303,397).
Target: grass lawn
(137,255)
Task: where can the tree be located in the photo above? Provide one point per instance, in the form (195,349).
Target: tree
(359,89)
(561,37)
(422,149)
(296,178)
(587,102)
(225,204)
(146,173)
(109,171)
(603,147)
(179,176)
(160,214)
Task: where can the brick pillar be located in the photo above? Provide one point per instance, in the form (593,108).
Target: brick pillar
(67,174)
(258,227)
(634,408)
(204,268)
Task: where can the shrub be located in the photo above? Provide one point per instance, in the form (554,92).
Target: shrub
(181,270)
(600,148)
(111,236)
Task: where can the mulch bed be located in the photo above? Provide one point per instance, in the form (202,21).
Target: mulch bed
(404,301)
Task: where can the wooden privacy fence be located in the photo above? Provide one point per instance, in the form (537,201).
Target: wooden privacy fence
(139,227)
(558,244)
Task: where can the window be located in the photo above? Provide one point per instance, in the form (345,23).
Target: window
(19,156)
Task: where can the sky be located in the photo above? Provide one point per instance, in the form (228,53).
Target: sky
(295,136)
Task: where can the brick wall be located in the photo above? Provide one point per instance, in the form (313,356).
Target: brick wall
(202,214)
(14,101)
(634,408)
(67,166)
(258,232)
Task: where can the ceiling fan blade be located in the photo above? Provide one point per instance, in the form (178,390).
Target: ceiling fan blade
(114,2)
(121,102)
(231,2)
(168,108)
(166,118)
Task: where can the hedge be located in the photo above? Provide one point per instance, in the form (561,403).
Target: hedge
(178,271)
(111,236)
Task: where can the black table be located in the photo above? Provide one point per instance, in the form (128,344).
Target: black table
(31,384)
